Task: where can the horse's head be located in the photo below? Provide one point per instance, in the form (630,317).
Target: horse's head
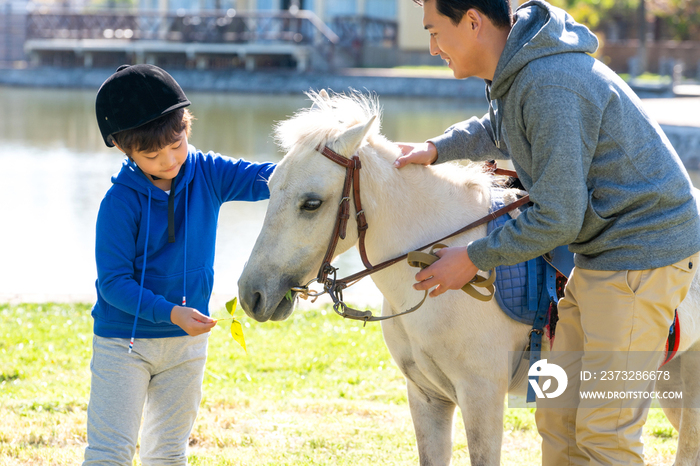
(305,190)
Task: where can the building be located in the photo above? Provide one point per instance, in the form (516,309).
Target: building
(251,34)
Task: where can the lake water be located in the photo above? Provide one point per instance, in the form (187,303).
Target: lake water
(56,169)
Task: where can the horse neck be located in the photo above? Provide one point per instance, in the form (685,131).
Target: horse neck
(410,207)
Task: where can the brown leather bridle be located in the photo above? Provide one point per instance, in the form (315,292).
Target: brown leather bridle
(334,286)
(352,180)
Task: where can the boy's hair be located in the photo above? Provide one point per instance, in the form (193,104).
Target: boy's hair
(157,134)
(498,11)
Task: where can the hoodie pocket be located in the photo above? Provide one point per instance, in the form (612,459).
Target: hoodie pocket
(196,289)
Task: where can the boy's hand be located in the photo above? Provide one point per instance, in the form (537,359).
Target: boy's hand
(191,320)
(419,153)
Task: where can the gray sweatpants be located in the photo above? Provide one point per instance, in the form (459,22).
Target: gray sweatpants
(161,380)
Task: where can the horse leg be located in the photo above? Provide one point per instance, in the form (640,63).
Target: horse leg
(432,421)
(483,420)
(688,452)
(672,407)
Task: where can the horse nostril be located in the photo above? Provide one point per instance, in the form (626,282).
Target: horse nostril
(252,301)
(256,303)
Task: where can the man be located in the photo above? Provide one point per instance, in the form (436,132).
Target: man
(602,177)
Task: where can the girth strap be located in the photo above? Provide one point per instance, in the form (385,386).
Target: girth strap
(534,349)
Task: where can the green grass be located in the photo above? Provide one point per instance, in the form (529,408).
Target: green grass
(647,77)
(313,390)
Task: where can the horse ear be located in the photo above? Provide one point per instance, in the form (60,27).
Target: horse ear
(351,140)
(320,96)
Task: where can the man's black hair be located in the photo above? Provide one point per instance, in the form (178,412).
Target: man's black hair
(498,11)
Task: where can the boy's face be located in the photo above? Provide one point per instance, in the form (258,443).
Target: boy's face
(164,163)
(457,45)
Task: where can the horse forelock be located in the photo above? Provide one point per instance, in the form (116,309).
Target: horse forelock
(328,116)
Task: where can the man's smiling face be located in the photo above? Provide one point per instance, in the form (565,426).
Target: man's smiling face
(456,44)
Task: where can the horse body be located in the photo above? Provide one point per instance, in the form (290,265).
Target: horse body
(445,349)
(455,350)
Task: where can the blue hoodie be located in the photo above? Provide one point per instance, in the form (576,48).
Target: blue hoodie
(145,268)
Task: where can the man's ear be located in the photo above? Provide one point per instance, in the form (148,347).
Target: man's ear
(474,18)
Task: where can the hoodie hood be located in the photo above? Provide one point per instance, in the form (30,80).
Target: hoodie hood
(540,30)
(131,176)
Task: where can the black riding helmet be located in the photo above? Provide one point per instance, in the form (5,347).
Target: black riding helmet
(136,95)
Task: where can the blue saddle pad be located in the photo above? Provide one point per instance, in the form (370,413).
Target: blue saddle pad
(512,280)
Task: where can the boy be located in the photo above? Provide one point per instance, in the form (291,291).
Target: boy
(603,179)
(156,231)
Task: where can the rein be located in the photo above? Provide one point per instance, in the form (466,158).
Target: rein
(334,286)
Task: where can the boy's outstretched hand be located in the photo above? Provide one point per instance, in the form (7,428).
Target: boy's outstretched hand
(191,320)
(420,153)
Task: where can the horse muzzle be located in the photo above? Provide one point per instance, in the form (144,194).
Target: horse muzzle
(266,302)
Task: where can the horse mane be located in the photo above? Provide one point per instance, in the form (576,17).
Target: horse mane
(327,118)
(330,115)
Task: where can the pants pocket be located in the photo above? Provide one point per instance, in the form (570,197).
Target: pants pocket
(688,264)
(634,279)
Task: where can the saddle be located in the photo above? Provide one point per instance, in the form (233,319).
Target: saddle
(528,292)
(519,287)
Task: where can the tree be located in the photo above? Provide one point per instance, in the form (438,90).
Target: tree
(681,17)
(594,13)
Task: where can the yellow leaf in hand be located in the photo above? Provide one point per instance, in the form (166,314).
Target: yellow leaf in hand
(237,333)
(236,327)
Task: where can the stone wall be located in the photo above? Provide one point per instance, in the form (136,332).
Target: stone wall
(661,56)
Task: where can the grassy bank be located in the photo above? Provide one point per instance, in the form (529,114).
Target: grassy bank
(313,390)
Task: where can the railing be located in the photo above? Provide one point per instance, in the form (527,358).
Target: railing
(212,27)
(358,32)
(365,30)
(354,34)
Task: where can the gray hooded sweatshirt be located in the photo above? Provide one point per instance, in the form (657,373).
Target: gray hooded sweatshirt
(601,174)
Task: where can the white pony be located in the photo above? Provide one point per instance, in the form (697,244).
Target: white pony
(454,351)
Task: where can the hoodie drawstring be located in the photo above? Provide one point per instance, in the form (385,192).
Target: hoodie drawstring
(145,254)
(143,271)
(495,117)
(184,273)
(171,212)
(496,124)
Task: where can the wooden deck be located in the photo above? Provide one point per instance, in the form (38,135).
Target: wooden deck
(146,51)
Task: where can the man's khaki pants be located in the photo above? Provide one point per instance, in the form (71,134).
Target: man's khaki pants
(606,316)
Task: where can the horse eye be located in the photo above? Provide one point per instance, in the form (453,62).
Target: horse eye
(311,204)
